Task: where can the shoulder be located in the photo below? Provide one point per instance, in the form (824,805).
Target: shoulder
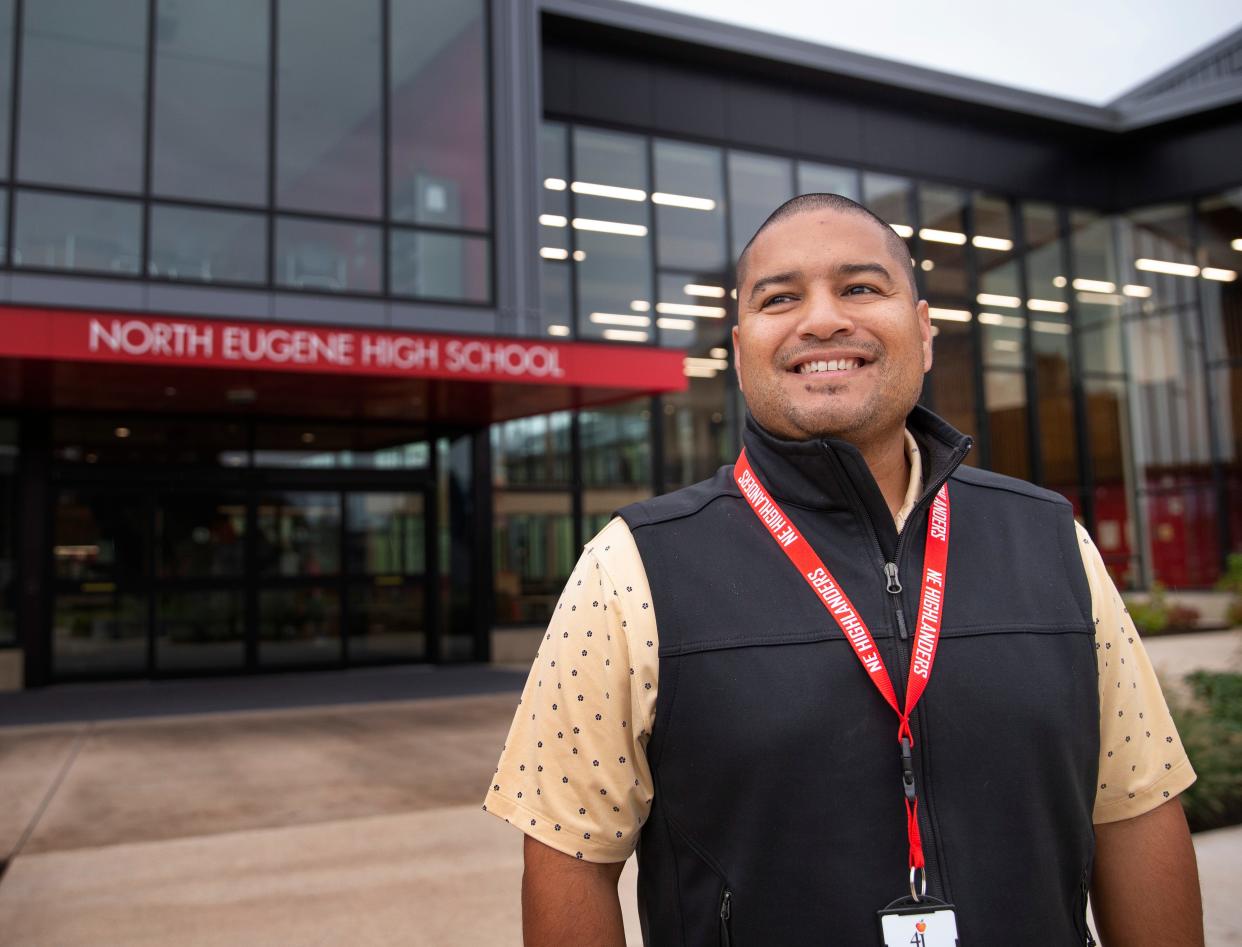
(680,503)
(1002,487)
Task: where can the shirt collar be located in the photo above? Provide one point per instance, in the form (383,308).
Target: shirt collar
(914,488)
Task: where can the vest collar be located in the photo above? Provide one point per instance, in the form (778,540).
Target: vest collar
(829,473)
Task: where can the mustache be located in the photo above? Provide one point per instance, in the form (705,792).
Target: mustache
(873,352)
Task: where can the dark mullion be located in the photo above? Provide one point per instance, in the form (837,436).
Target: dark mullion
(386,147)
(928,396)
(148,143)
(14,120)
(1017,227)
(342,575)
(656,435)
(982,418)
(1086,474)
(653,271)
(273,24)
(570,234)
(1219,483)
(736,419)
(576,477)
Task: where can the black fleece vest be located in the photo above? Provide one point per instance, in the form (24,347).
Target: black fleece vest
(777,772)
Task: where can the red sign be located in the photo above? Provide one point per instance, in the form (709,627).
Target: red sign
(67,335)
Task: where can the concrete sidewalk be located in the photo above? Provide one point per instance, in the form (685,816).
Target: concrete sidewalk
(356,824)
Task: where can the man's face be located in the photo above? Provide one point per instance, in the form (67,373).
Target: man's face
(830,340)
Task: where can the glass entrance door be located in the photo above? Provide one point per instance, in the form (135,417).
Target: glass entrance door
(386,540)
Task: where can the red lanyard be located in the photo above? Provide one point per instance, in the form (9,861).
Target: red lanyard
(834,599)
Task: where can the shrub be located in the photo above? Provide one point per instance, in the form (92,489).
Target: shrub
(1154,615)
(1231,582)
(1210,724)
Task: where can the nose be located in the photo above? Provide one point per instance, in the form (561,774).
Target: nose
(823,316)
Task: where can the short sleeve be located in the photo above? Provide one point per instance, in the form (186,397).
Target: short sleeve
(573,772)
(1142,762)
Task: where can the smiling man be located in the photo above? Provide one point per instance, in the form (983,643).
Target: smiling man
(848,685)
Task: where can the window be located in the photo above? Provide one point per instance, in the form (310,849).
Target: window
(758,184)
(87,234)
(440,266)
(327,256)
(207,246)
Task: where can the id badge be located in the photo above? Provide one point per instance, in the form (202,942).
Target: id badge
(928,923)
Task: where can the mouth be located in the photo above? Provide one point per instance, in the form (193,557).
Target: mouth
(828,366)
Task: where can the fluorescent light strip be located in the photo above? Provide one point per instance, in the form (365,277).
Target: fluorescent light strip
(698,289)
(681,325)
(619,319)
(553,220)
(1138,292)
(1236,244)
(558,330)
(1007,345)
(608,190)
(1052,328)
(1101,299)
(683,200)
(1167,267)
(640,305)
(942,236)
(902,230)
(554,253)
(554,184)
(992,243)
(1095,285)
(692,372)
(719,352)
(1221,276)
(716,363)
(999,319)
(685,309)
(609,226)
(950,315)
(993,299)
(625,335)
(1047,305)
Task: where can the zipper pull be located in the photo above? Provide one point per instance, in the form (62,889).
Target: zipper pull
(726,938)
(890,572)
(726,905)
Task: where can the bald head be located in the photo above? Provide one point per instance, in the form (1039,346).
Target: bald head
(804,203)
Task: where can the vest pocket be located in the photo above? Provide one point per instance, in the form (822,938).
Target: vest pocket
(726,918)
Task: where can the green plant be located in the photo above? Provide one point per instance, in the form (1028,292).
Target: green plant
(1210,724)
(1150,614)
(1231,582)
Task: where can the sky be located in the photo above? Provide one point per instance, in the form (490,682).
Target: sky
(1086,50)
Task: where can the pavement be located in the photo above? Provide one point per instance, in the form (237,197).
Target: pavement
(272,816)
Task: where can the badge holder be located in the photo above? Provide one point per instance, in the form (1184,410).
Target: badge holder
(918,921)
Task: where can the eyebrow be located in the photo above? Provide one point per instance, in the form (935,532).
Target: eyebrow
(841,269)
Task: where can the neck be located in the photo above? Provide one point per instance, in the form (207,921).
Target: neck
(886,458)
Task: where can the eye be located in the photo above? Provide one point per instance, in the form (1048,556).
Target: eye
(777,300)
(860,289)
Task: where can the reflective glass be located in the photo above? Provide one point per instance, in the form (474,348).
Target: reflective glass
(438,108)
(148,441)
(555,235)
(211,73)
(317,254)
(100,536)
(207,246)
(299,533)
(6,80)
(690,208)
(1107,415)
(942,236)
(1098,297)
(87,234)
(98,633)
(328,112)
(384,533)
(200,630)
(953,395)
(200,535)
(532,451)
(533,551)
(891,198)
(387,620)
(692,310)
(555,292)
(1005,394)
(341,447)
(616,446)
(1000,289)
(83,93)
(758,184)
(440,266)
(1220,253)
(611,220)
(827,179)
(697,432)
(299,626)
(1227,386)
(8,532)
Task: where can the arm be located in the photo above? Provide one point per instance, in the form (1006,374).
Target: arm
(1145,889)
(566,900)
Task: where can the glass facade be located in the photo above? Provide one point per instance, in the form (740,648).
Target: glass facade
(300,145)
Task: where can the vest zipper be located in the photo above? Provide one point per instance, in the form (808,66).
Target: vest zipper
(894,588)
(726,912)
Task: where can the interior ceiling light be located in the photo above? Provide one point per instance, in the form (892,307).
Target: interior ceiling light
(1101,299)
(308,437)
(994,299)
(716,363)
(1095,285)
(992,243)
(950,315)
(682,325)
(1236,244)
(608,190)
(686,309)
(719,352)
(698,289)
(683,200)
(619,319)
(625,335)
(1007,345)
(554,253)
(1223,276)
(1047,305)
(121,432)
(902,230)
(554,184)
(999,319)
(609,226)
(927,266)
(579,256)
(1138,292)
(1051,328)
(691,371)
(942,236)
(640,305)
(553,220)
(1059,282)
(558,330)
(1166,266)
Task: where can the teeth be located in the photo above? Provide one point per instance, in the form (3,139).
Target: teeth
(832,365)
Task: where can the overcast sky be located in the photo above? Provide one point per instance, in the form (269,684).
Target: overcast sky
(1087,50)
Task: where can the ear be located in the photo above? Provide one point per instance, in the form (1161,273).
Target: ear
(737,359)
(925,331)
